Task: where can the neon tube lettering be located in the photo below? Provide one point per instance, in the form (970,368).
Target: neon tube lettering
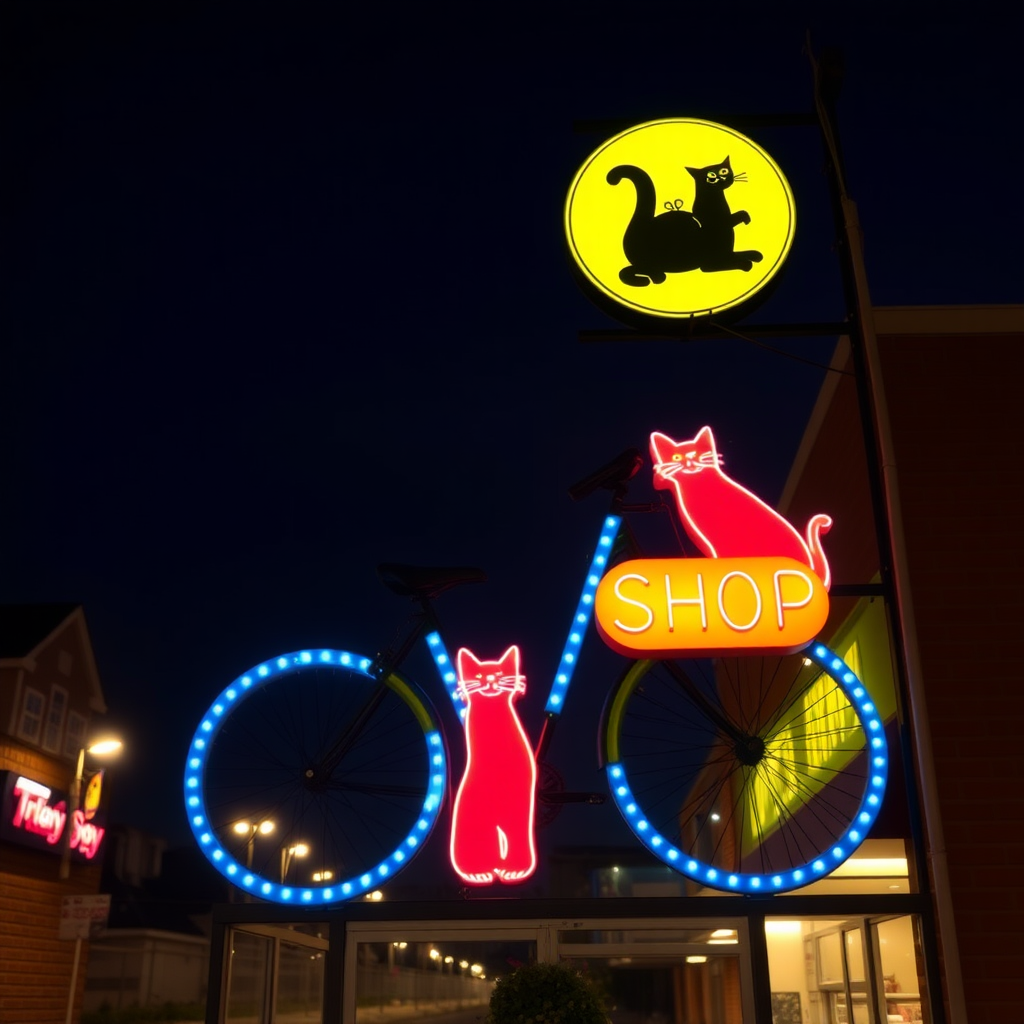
(698,600)
(86,837)
(721,601)
(781,605)
(636,604)
(34,813)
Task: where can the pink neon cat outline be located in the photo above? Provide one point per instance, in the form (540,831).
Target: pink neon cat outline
(493,813)
(722,517)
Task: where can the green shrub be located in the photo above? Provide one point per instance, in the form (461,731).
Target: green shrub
(546,994)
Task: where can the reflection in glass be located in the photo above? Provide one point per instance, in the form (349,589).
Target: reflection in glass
(248,977)
(409,981)
(668,990)
(300,984)
(854,954)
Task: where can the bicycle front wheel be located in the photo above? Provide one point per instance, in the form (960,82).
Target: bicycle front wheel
(747,774)
(310,781)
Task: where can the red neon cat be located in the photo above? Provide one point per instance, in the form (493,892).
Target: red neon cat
(492,820)
(723,518)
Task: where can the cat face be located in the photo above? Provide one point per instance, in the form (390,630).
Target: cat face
(672,458)
(490,678)
(714,176)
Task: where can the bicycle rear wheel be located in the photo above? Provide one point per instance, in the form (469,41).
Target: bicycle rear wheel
(747,774)
(348,770)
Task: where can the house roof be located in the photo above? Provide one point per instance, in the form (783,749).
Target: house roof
(26,628)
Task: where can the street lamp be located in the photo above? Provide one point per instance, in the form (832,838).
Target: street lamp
(249,829)
(287,853)
(101,748)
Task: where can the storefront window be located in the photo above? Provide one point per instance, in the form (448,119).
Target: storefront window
(854,971)
(413,980)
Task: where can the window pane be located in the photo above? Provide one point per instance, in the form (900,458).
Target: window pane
(854,954)
(669,989)
(55,718)
(901,970)
(75,736)
(830,959)
(417,980)
(300,984)
(32,715)
(248,978)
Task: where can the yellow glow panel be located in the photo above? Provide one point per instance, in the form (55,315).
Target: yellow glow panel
(598,213)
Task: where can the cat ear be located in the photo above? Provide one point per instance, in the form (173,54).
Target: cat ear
(467,663)
(704,436)
(725,163)
(696,172)
(509,661)
(661,443)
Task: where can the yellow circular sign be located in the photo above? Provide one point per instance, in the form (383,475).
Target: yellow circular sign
(679,218)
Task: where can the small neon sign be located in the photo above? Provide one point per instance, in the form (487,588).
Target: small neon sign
(492,818)
(36,815)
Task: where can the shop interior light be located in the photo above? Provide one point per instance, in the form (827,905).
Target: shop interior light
(872,867)
(782,927)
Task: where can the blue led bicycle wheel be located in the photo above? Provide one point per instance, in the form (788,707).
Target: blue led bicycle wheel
(309,781)
(747,774)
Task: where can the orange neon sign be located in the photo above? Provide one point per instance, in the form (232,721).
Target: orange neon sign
(657,607)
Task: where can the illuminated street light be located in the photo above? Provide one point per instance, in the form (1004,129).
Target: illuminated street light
(322,876)
(287,853)
(101,748)
(250,829)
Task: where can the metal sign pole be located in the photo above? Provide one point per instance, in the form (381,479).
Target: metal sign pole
(74,981)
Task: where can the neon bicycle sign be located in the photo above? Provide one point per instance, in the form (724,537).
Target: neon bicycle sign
(728,754)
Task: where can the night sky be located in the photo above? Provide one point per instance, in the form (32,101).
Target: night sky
(286,296)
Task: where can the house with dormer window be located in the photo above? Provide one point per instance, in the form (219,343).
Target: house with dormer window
(50,694)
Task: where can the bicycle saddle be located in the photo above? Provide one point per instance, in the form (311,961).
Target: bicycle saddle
(426,581)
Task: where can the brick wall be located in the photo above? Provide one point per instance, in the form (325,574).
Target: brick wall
(35,965)
(957,424)
(958,431)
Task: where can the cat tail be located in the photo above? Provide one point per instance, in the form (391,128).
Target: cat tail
(645,194)
(818,526)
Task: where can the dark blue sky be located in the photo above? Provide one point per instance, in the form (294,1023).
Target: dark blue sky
(286,297)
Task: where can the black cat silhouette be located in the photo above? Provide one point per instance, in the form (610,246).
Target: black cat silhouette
(677,241)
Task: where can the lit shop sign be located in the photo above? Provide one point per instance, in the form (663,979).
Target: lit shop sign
(35,815)
(678,218)
(655,607)
(492,818)
(761,586)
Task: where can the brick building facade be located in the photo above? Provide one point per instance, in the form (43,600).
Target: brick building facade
(49,693)
(950,380)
